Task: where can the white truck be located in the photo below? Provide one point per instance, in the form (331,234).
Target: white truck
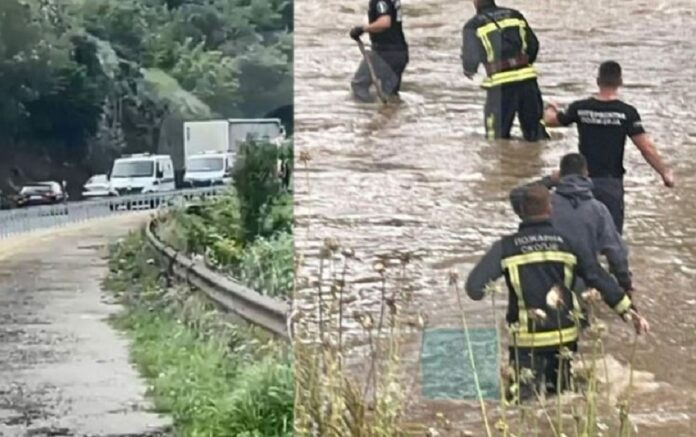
(210,146)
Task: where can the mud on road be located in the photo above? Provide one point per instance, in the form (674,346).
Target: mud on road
(63,370)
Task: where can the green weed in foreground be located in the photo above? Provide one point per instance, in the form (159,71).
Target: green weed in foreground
(216,379)
(207,392)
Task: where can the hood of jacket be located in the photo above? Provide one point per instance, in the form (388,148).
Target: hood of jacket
(575,188)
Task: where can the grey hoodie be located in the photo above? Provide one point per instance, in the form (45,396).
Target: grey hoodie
(585,221)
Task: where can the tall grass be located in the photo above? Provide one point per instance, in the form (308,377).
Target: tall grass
(332,401)
(331,398)
(215,378)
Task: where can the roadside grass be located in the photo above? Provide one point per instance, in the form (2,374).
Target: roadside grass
(214,377)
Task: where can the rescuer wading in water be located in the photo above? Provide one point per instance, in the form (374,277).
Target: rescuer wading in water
(502,40)
(582,218)
(540,267)
(389,54)
(604,121)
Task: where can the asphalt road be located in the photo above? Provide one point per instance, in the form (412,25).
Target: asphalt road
(64,371)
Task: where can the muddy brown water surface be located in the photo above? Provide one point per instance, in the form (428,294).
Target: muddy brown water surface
(420,176)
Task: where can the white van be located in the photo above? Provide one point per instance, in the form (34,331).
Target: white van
(142,173)
(208,168)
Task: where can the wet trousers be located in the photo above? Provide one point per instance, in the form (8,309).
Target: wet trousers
(389,66)
(610,191)
(521,99)
(545,365)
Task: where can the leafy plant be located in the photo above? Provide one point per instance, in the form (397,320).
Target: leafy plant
(213,377)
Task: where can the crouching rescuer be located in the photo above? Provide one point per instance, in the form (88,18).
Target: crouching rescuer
(502,40)
(540,267)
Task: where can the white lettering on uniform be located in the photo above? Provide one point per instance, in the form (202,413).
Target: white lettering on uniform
(601,118)
(382,7)
(539,247)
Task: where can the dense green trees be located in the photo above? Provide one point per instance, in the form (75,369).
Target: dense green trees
(76,75)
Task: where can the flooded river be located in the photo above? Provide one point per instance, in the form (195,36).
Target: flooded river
(420,176)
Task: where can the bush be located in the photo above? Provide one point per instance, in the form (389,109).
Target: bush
(214,378)
(262,402)
(267,265)
(257,181)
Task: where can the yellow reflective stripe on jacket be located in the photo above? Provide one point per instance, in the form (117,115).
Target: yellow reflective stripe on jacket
(510,76)
(537,257)
(483,31)
(523,38)
(524,338)
(544,339)
(623,305)
(521,307)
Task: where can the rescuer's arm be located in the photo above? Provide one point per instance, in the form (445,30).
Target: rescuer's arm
(612,245)
(487,270)
(649,152)
(553,117)
(382,23)
(472,50)
(379,25)
(596,277)
(532,42)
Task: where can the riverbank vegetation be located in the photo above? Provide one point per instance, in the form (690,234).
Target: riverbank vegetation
(213,377)
(246,233)
(216,378)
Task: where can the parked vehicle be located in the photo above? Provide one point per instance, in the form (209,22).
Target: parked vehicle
(97,186)
(203,139)
(42,193)
(209,168)
(142,173)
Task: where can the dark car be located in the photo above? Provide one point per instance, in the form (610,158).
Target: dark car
(41,193)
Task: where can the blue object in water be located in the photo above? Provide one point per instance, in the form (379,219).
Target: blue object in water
(446,371)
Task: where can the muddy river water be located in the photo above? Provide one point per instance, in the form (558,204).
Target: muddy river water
(420,176)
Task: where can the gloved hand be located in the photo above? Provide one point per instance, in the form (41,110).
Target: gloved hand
(356,32)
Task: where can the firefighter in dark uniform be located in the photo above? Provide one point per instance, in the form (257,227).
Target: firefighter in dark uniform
(389,54)
(502,40)
(540,267)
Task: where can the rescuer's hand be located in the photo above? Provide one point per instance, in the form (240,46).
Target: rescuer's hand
(555,177)
(550,112)
(639,323)
(356,32)
(668,179)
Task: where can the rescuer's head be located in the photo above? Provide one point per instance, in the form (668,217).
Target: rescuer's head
(536,203)
(609,75)
(573,164)
(480,4)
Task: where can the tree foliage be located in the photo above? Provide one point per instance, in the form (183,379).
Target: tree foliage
(76,72)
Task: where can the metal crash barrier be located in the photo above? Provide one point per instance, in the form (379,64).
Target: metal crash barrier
(19,221)
(259,310)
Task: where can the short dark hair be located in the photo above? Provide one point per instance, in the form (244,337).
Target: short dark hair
(535,201)
(573,163)
(609,74)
